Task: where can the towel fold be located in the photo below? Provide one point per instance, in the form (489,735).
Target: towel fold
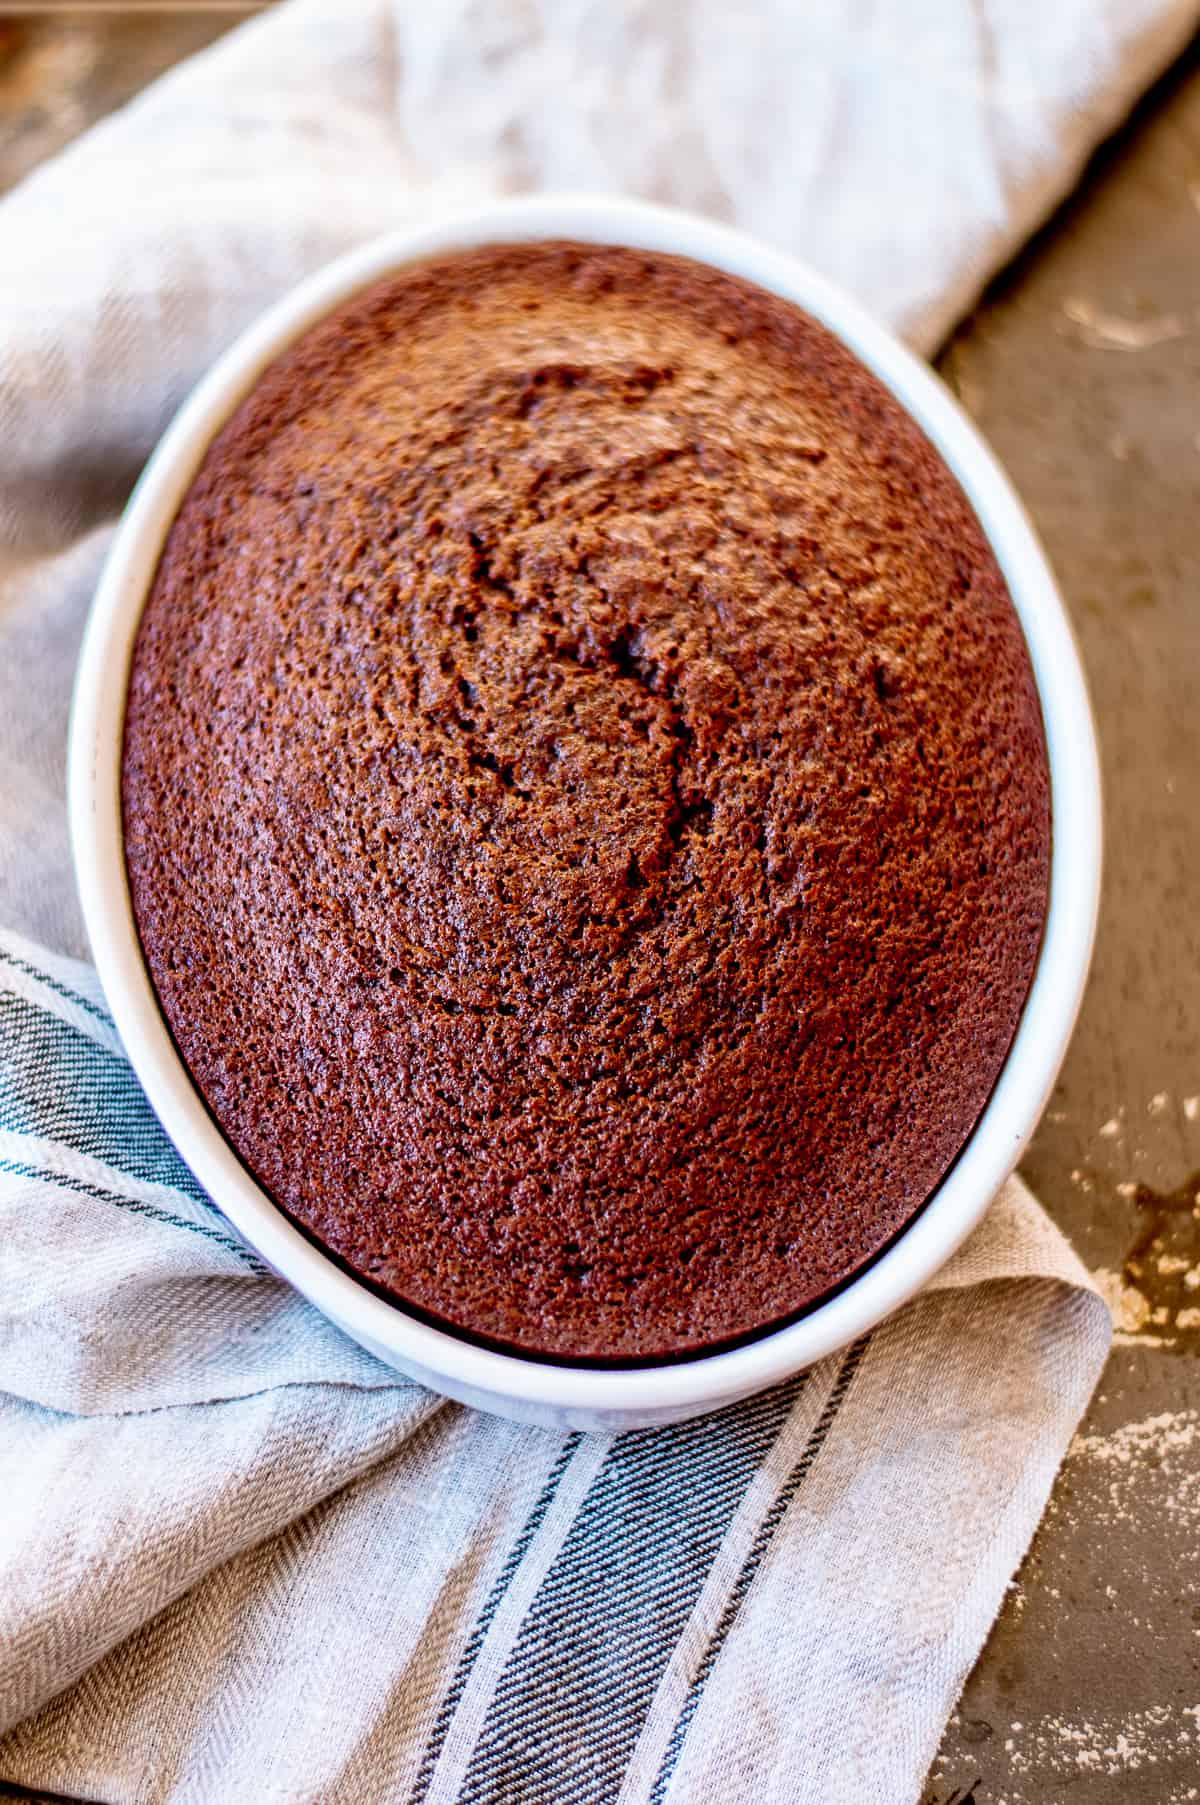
(262,1566)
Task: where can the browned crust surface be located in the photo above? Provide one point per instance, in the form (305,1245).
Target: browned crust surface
(585,798)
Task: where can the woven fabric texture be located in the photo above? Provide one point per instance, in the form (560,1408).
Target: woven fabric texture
(238,1558)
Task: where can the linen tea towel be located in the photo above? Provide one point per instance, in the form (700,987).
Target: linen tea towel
(262,1567)
(240,1559)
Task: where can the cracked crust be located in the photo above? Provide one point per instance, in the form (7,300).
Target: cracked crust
(585,798)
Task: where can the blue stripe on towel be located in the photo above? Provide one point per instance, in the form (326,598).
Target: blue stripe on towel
(57,1083)
(580,1678)
(7,957)
(753,1561)
(137,1206)
(483,1623)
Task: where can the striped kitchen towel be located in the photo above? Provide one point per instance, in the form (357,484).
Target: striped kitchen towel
(241,1560)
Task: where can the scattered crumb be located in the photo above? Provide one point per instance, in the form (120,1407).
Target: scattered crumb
(1015,1601)
(1110,1128)
(1158,1104)
(1187,1319)
(1151,1448)
(1129,1308)
(1191,1108)
(1108,332)
(1191,1278)
(1063,1750)
(1173,1262)
(1127,1188)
